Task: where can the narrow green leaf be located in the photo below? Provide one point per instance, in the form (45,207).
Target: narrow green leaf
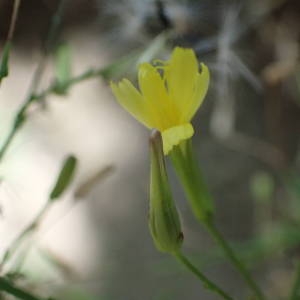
(4,60)
(63,68)
(65,177)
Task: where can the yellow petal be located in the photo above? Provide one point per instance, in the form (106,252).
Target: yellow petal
(200,91)
(131,100)
(181,76)
(161,110)
(174,135)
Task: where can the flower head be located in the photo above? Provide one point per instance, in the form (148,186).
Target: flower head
(169,96)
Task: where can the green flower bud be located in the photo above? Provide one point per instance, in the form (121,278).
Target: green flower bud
(164,221)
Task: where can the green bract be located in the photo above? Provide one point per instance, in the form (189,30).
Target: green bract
(164,221)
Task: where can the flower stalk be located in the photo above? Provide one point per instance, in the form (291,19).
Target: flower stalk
(239,265)
(206,282)
(164,222)
(201,202)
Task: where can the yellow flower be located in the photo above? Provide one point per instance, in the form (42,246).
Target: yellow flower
(170,94)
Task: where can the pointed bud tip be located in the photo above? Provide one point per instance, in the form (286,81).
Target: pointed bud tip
(155,136)
(156,142)
(181,237)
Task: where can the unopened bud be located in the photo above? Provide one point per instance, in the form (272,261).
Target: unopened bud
(164,221)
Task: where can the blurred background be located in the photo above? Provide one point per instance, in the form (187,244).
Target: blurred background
(94,242)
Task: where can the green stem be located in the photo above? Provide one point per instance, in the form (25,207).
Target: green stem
(13,20)
(206,282)
(21,114)
(29,229)
(186,166)
(235,260)
(7,141)
(9,288)
(295,292)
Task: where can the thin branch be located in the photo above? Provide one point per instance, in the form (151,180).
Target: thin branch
(21,114)
(13,20)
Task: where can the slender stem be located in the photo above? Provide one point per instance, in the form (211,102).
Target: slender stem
(7,142)
(201,201)
(235,260)
(13,20)
(21,114)
(8,287)
(206,282)
(104,72)
(295,292)
(33,97)
(24,233)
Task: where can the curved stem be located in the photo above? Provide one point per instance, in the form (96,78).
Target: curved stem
(235,260)
(206,282)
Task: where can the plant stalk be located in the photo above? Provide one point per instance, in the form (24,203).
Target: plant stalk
(201,201)
(205,281)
